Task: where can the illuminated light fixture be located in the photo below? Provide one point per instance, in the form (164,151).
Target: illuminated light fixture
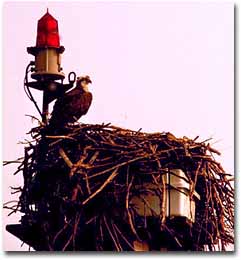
(47,51)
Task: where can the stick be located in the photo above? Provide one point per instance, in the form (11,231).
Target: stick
(111,235)
(65,157)
(119,165)
(60,137)
(127,206)
(123,237)
(109,179)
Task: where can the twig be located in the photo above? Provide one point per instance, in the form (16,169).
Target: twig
(65,157)
(123,237)
(127,206)
(118,165)
(60,137)
(109,179)
(111,235)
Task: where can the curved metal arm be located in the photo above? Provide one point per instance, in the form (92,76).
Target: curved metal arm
(69,77)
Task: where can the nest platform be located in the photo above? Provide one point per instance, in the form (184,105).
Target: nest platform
(79,186)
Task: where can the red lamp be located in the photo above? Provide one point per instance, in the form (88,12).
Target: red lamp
(47,51)
(48,33)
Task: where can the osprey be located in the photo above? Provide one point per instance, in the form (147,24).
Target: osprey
(72,105)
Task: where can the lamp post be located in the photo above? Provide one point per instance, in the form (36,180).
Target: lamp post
(48,76)
(46,69)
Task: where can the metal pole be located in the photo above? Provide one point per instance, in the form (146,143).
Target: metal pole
(45,109)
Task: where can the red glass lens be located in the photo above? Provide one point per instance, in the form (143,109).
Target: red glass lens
(47,35)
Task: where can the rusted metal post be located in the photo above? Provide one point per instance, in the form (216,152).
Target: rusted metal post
(45,109)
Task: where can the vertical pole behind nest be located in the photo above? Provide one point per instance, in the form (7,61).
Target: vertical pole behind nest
(45,109)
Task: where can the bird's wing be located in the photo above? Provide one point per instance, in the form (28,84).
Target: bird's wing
(84,103)
(63,107)
(77,105)
(70,107)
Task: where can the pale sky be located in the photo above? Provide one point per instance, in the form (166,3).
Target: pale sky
(160,67)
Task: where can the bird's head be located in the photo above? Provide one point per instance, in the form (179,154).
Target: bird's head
(83,82)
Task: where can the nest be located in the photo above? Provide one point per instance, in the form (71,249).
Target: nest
(79,190)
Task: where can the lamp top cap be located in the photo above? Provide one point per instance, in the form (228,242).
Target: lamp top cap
(47,16)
